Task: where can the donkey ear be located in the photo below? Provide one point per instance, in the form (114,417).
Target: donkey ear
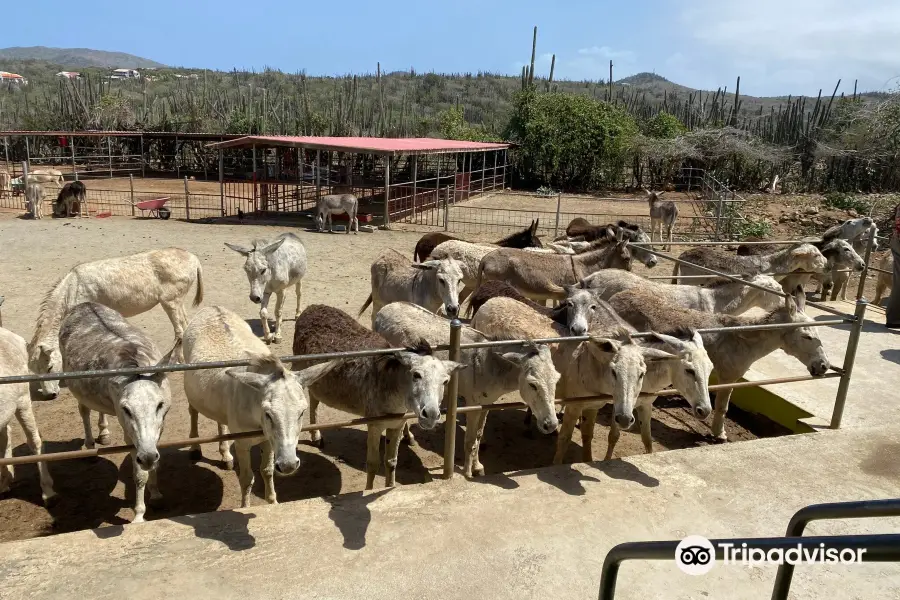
(427,265)
(310,375)
(257,381)
(606,345)
(269,248)
(239,249)
(800,298)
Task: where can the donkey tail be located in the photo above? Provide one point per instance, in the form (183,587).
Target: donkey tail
(365,306)
(675,273)
(198,297)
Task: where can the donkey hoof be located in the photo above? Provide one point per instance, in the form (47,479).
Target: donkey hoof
(411,441)
(478,471)
(228,465)
(318,443)
(720,439)
(103,439)
(195,455)
(276,339)
(52,500)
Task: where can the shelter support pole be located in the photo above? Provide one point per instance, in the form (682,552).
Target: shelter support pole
(222,181)
(494,173)
(318,176)
(861,290)
(415,160)
(387,191)
(72,148)
(187,198)
(254,162)
(25,184)
(131,187)
(27,154)
(143,159)
(178,167)
(109,155)
(452,391)
(6,154)
(849,359)
(447,209)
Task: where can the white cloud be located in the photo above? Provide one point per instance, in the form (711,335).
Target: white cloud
(810,43)
(605,52)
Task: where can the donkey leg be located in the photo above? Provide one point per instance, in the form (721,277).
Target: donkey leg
(645,413)
(721,403)
(570,418)
(474,426)
(103,429)
(85,413)
(612,439)
(390,455)
(267,467)
(6,473)
(298,289)
(315,436)
(264,317)
(140,484)
(245,470)
(195,453)
(373,454)
(408,436)
(588,420)
(225,449)
(25,416)
(279,302)
(175,310)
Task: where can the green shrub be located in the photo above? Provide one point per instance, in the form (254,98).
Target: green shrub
(841,201)
(753,228)
(664,125)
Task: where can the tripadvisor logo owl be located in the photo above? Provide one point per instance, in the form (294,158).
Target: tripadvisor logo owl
(695,555)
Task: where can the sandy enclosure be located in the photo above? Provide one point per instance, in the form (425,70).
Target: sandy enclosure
(96,492)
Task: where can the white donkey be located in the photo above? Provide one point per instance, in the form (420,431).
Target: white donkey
(130,285)
(93,336)
(53,176)
(335,204)
(271,268)
(264,396)
(14,400)
(34,200)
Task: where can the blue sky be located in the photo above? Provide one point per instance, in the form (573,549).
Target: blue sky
(776,46)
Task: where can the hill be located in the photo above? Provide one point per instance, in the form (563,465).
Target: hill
(78,58)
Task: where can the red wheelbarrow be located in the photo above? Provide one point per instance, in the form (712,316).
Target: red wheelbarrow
(156,207)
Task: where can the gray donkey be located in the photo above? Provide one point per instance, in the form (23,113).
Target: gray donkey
(335,204)
(271,268)
(93,336)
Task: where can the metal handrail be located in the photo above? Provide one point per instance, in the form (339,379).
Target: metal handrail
(865,509)
(878,548)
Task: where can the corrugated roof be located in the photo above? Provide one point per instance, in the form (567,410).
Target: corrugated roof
(372,145)
(99,133)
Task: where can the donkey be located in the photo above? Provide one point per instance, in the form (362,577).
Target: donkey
(53,176)
(719,295)
(732,352)
(15,400)
(265,395)
(34,200)
(527,238)
(335,204)
(93,336)
(272,267)
(469,256)
(70,196)
(5,184)
(430,284)
(662,214)
(841,257)
(372,386)
(542,276)
(885,281)
(804,257)
(581,230)
(495,288)
(492,375)
(130,285)
(602,365)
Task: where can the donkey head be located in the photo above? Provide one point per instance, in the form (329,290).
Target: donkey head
(45,357)
(803,343)
(425,377)
(537,383)
(690,371)
(283,398)
(257,266)
(448,278)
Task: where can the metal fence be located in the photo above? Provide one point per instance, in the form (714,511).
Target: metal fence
(844,373)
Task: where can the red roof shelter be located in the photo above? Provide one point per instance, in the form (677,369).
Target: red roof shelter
(414,180)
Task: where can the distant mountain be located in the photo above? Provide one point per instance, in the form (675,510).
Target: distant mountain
(78,57)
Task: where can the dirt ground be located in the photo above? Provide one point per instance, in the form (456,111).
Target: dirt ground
(97,492)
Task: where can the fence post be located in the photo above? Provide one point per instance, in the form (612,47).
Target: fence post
(131,187)
(221,180)
(109,154)
(860,291)
(415,161)
(849,359)
(187,199)
(446,209)
(25,183)
(452,390)
(74,166)
(721,195)
(143,160)
(558,206)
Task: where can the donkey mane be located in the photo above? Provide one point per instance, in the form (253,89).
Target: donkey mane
(51,311)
